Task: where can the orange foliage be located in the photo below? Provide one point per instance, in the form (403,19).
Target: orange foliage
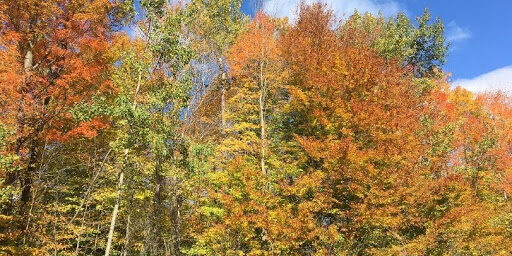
(64,46)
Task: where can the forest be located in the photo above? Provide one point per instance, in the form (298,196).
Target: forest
(158,127)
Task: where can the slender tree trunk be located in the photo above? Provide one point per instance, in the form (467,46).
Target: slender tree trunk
(26,179)
(127,236)
(90,187)
(262,120)
(223,84)
(176,217)
(27,226)
(78,239)
(159,212)
(115,211)
(98,228)
(26,182)
(223,108)
(55,230)
(121,178)
(263,136)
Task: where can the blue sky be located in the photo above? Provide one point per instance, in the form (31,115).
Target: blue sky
(480,32)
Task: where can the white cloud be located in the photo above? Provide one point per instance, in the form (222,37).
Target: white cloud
(455,33)
(283,8)
(499,79)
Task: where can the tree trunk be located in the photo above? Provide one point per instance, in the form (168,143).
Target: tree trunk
(223,85)
(263,136)
(262,119)
(115,211)
(28,61)
(26,179)
(223,108)
(121,177)
(159,211)
(176,218)
(126,236)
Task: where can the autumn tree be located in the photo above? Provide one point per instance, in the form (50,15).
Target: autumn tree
(355,116)
(256,68)
(55,58)
(242,209)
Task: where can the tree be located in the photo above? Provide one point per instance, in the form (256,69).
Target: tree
(420,46)
(254,63)
(154,81)
(242,211)
(355,116)
(55,58)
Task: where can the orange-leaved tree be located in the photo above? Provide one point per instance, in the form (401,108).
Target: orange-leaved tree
(54,56)
(244,192)
(355,116)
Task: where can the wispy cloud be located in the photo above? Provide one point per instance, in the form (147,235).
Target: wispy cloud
(288,8)
(455,33)
(499,79)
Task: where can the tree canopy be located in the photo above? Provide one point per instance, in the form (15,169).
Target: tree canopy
(204,131)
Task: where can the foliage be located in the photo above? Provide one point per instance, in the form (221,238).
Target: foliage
(211,133)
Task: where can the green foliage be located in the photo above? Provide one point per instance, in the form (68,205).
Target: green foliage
(217,22)
(7,165)
(421,46)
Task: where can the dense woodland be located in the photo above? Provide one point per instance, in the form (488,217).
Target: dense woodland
(204,131)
